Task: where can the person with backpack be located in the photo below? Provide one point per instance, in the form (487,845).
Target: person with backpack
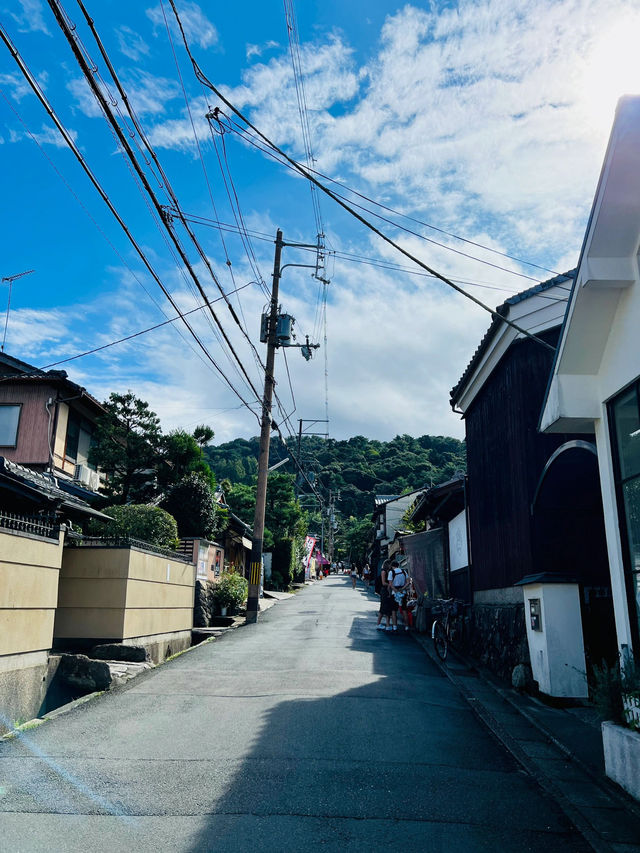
(399,583)
(381,586)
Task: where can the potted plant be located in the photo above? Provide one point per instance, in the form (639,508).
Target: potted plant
(230,592)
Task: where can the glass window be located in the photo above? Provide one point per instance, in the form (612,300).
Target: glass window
(627,421)
(73,437)
(9,420)
(631,495)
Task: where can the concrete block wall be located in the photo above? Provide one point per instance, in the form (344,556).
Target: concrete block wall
(29,576)
(124,595)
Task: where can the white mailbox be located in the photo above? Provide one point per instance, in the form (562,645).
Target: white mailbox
(554,633)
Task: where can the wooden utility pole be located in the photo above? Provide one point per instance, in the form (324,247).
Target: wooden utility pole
(255,573)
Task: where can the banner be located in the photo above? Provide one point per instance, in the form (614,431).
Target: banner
(309,545)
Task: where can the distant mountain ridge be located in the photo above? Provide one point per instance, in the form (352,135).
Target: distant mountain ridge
(358,468)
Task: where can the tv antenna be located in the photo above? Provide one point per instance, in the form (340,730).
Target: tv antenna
(10,279)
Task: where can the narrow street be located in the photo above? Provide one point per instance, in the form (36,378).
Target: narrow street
(310,728)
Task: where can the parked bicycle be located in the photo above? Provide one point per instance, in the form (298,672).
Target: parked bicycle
(449,626)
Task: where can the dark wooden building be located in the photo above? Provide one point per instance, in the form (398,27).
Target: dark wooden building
(533,499)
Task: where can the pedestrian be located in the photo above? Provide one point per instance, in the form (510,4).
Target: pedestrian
(382,588)
(399,585)
(366,573)
(354,575)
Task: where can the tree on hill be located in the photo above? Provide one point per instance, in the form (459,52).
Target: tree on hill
(357,468)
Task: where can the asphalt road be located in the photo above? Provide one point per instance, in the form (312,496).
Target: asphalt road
(310,729)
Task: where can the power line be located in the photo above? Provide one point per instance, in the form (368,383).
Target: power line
(350,257)
(73,41)
(251,140)
(303,171)
(170,191)
(73,147)
(242,132)
(100,230)
(118,341)
(301,97)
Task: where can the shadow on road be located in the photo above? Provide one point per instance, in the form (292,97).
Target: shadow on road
(397,760)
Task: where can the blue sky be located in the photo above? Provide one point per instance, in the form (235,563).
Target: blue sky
(488,120)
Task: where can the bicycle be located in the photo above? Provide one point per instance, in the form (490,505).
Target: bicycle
(448,626)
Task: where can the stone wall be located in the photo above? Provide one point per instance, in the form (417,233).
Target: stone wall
(498,637)
(204,606)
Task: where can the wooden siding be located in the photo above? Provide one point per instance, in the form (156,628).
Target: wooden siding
(32,447)
(505,457)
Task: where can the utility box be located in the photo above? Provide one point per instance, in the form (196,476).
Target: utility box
(554,634)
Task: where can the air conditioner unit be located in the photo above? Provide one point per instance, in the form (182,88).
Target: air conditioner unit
(88,477)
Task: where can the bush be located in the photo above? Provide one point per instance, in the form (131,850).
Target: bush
(284,561)
(277,581)
(192,504)
(141,521)
(231,590)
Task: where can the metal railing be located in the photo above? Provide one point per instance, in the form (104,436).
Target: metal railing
(128,542)
(37,525)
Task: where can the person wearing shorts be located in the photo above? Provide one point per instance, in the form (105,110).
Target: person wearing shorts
(386,607)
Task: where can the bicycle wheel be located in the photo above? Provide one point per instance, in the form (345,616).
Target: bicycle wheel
(440,642)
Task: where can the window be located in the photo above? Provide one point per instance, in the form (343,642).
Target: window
(625,429)
(9,420)
(78,439)
(73,436)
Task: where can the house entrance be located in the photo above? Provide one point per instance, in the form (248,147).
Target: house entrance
(569,540)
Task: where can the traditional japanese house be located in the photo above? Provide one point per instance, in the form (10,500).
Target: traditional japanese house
(533,500)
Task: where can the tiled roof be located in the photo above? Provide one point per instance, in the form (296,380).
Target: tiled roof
(503,311)
(383,499)
(12,369)
(46,486)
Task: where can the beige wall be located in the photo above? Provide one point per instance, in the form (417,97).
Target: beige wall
(120,593)
(29,570)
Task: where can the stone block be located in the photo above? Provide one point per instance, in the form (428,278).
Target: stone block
(84,674)
(120,651)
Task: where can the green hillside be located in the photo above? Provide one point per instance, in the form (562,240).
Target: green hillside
(358,468)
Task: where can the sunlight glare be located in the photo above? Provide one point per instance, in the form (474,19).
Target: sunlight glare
(612,69)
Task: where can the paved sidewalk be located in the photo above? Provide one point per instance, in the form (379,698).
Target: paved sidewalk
(560,748)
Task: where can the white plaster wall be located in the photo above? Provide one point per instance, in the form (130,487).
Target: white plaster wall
(557,652)
(620,363)
(622,757)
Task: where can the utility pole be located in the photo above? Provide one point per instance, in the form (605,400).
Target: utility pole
(255,573)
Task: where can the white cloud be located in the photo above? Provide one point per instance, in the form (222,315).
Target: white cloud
(47,136)
(131,44)
(148,95)
(197,27)
(259,49)
(466,114)
(17,85)
(31,18)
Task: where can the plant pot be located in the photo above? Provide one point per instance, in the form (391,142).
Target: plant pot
(223,611)
(622,756)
